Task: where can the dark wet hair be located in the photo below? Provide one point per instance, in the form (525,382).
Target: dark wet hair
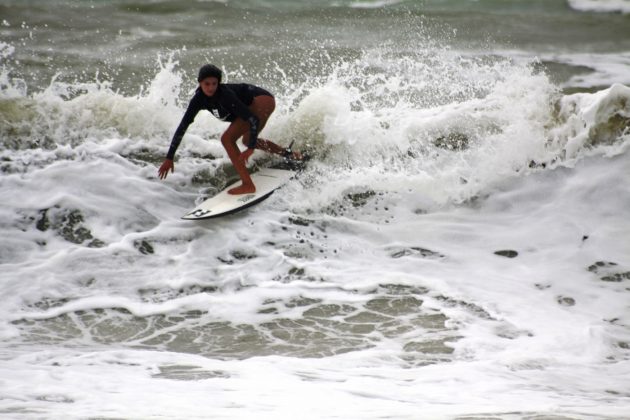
(209,70)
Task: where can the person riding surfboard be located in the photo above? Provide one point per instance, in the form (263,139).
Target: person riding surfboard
(247,107)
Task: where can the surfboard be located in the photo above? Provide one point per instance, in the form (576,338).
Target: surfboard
(266,180)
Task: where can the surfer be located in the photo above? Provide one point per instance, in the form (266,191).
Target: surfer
(246,107)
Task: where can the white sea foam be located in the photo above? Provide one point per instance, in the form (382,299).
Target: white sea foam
(527,357)
(10,87)
(590,118)
(369,287)
(605,69)
(601,6)
(592,70)
(374,4)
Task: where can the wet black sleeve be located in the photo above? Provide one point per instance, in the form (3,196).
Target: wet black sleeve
(230,101)
(187,119)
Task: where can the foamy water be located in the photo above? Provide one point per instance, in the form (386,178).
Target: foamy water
(457,246)
(601,6)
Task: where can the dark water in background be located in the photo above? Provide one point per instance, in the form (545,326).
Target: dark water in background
(121,40)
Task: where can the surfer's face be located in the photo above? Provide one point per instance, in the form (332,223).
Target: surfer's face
(209,85)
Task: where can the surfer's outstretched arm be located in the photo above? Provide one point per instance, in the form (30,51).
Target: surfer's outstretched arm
(189,116)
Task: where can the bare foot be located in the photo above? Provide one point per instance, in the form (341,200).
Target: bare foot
(243,189)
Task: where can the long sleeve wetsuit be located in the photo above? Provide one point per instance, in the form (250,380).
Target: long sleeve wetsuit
(228,103)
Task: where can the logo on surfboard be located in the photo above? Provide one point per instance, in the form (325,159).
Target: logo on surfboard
(199,213)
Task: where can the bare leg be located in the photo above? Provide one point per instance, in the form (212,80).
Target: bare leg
(262,106)
(229,143)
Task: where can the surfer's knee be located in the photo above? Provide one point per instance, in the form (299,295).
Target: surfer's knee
(228,139)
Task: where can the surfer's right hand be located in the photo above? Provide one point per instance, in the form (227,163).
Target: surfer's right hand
(165,168)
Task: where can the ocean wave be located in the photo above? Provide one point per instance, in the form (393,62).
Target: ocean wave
(456,210)
(604,69)
(466,121)
(589,120)
(601,6)
(459,233)
(374,4)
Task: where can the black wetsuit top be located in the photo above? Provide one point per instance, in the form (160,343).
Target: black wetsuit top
(229,102)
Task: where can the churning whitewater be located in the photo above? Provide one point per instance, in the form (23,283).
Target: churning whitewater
(456,247)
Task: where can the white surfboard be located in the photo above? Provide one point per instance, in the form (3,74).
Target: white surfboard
(266,180)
